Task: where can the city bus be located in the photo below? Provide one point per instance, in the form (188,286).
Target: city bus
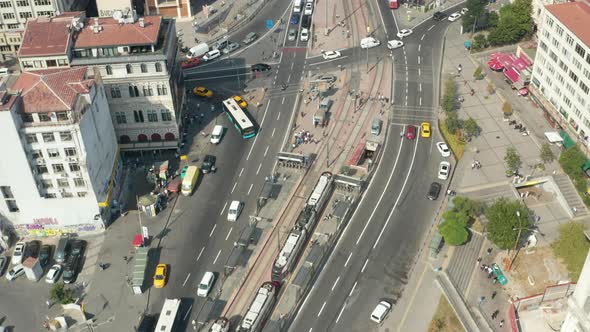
(239,118)
(168,315)
(392,4)
(190,179)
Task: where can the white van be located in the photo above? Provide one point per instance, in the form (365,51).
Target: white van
(216,134)
(206,284)
(235,208)
(297,6)
(369,42)
(212,55)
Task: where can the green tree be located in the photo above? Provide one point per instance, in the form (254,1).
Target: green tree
(504,222)
(453,122)
(469,207)
(453,233)
(60,294)
(476,10)
(470,127)
(515,23)
(572,247)
(479,42)
(512,159)
(493,20)
(572,160)
(546,154)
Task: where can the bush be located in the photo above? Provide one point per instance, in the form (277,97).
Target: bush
(572,247)
(512,159)
(479,42)
(470,127)
(453,228)
(546,154)
(455,144)
(60,294)
(477,74)
(453,122)
(450,95)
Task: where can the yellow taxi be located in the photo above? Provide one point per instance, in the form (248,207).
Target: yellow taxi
(160,276)
(240,101)
(203,92)
(425,129)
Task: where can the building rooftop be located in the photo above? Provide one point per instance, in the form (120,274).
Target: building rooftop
(46,36)
(113,33)
(575,16)
(52,90)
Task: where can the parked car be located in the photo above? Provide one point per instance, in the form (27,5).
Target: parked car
(454,16)
(250,38)
(212,55)
(304,35)
(380,311)
(260,67)
(444,169)
(32,249)
(160,276)
(3,263)
(434,191)
(18,253)
(78,248)
(53,274)
(331,55)
(308,9)
(439,16)
(292,35)
(404,33)
(208,165)
(220,45)
(295,19)
(70,270)
(15,272)
(306,21)
(231,47)
(192,62)
(45,255)
(443,149)
(203,92)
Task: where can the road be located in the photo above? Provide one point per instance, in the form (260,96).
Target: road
(377,251)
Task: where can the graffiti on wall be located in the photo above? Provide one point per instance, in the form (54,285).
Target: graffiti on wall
(47,230)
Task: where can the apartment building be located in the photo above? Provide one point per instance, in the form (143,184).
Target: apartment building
(561,72)
(61,164)
(137,61)
(577,318)
(538,6)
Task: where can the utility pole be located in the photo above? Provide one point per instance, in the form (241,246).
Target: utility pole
(326,29)
(328,152)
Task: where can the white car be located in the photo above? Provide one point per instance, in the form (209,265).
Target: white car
(292,36)
(380,311)
(454,16)
(16,271)
(404,33)
(18,253)
(53,274)
(443,149)
(393,44)
(235,208)
(304,35)
(212,55)
(331,55)
(444,169)
(464,10)
(206,284)
(308,9)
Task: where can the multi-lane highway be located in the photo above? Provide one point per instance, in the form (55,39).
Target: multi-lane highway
(377,251)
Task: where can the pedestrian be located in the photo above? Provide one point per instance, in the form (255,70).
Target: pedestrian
(125,259)
(482,267)
(494,293)
(479,259)
(501,323)
(459,68)
(489,251)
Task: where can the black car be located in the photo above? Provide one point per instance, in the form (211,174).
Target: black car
(306,21)
(44,255)
(71,269)
(32,249)
(439,16)
(434,191)
(208,165)
(77,247)
(260,67)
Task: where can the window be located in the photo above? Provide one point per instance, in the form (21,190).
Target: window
(129,69)
(580,50)
(569,39)
(115,92)
(574,77)
(559,30)
(79,182)
(48,195)
(133,91)
(143,68)
(62,62)
(152,116)
(65,136)
(70,152)
(44,117)
(577,63)
(148,90)
(63,183)
(588,58)
(584,87)
(120,117)
(109,70)
(42,2)
(74,167)
(138,116)
(6,192)
(48,137)
(42,169)
(554,42)
(62,116)
(22,3)
(9,199)
(47,184)
(25,15)
(13,26)
(570,88)
(27,64)
(36,154)
(82,194)
(158,67)
(53,153)
(32,138)
(162,90)
(166,115)
(549,21)
(5,4)
(66,194)
(58,168)
(553,56)
(8,16)
(45,13)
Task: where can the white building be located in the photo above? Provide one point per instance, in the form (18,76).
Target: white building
(137,61)
(561,72)
(538,6)
(577,318)
(60,159)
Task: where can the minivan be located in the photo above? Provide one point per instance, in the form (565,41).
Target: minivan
(206,284)
(250,38)
(62,249)
(376,127)
(211,55)
(216,134)
(369,42)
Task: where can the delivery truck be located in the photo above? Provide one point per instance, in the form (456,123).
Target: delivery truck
(198,51)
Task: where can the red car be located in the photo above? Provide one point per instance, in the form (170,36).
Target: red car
(410,132)
(190,63)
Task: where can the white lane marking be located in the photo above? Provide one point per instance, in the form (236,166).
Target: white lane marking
(256,138)
(326,61)
(420,102)
(283,101)
(431,28)
(216,257)
(383,193)
(200,253)
(213,230)
(340,314)
(420,87)
(288,78)
(366,262)
(307,297)
(242,171)
(187,312)
(310,329)
(258,170)
(234,188)
(419,47)
(422,37)
(419,70)
(251,184)
(224,205)
(321,309)
(418,61)
(346,263)
(382,20)
(335,283)
(292,64)
(400,194)
(273,132)
(265,151)
(185,280)
(352,290)
(228,233)
(278,115)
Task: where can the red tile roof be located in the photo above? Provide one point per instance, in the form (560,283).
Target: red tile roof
(114,33)
(52,90)
(45,36)
(575,16)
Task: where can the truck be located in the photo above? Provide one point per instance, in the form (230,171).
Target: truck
(198,51)
(33,269)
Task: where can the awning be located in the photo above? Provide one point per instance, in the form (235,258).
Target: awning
(553,137)
(495,65)
(512,74)
(138,240)
(568,142)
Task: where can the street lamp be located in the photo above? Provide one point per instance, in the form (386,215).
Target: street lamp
(519,229)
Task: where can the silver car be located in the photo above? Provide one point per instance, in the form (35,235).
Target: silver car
(292,35)
(231,47)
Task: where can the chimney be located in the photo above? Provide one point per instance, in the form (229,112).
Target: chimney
(141,22)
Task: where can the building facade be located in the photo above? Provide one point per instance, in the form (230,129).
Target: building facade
(137,61)
(577,318)
(561,72)
(62,161)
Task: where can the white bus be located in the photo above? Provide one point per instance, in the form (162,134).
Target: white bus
(297,6)
(168,315)
(239,118)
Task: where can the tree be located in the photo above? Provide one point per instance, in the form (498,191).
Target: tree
(470,127)
(514,24)
(546,153)
(476,10)
(60,294)
(453,233)
(572,247)
(455,221)
(453,122)
(470,207)
(572,160)
(512,159)
(504,222)
(450,95)
(479,42)
(493,20)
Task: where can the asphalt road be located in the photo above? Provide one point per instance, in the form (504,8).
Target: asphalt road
(376,253)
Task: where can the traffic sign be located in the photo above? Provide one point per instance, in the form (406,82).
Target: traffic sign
(269,24)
